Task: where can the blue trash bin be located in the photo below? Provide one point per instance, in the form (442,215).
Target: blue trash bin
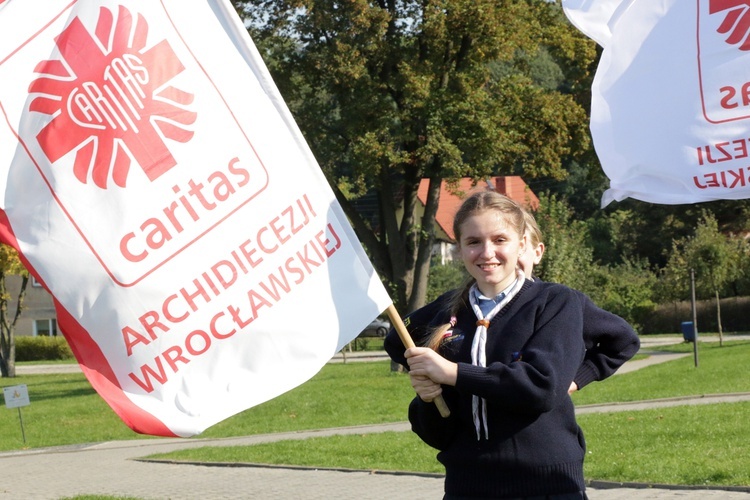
(688,333)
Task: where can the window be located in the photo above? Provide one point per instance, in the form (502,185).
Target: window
(45,327)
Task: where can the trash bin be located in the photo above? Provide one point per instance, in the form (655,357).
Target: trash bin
(688,333)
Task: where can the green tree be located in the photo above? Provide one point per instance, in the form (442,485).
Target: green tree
(712,255)
(641,230)
(740,285)
(10,264)
(625,289)
(567,259)
(674,278)
(445,277)
(391,92)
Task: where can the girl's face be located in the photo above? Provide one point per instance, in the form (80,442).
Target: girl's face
(490,248)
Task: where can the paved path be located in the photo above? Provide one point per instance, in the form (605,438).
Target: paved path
(112,468)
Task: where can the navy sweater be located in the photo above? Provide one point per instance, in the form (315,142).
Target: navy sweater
(534,348)
(609,340)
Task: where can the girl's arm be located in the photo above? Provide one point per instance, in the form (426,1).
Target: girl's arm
(610,341)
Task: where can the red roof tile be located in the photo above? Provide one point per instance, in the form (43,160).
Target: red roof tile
(511,186)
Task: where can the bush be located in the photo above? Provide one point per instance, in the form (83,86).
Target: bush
(626,290)
(42,349)
(668,317)
(445,277)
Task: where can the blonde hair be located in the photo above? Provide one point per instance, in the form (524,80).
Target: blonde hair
(475,204)
(535,234)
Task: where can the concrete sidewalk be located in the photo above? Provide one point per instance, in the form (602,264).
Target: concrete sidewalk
(113,468)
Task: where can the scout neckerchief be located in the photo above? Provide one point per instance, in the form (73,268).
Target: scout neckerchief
(478,355)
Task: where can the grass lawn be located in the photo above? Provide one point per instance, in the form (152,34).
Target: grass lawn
(65,409)
(691,445)
(720,370)
(392,451)
(695,445)
(683,445)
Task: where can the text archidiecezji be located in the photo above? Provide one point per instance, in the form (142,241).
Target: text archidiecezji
(305,257)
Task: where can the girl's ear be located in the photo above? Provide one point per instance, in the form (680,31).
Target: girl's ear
(538,253)
(522,243)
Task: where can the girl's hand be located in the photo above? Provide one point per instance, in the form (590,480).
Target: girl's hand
(425,388)
(424,362)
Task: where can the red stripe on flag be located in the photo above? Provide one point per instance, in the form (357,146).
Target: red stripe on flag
(102,378)
(90,357)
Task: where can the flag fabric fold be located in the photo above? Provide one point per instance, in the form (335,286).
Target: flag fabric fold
(595,18)
(152,178)
(670,98)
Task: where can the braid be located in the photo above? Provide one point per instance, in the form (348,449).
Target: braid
(456,302)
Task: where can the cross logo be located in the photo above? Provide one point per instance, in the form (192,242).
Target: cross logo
(723,45)
(134,112)
(736,21)
(111,100)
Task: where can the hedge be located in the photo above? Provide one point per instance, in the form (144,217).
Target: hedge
(42,349)
(667,318)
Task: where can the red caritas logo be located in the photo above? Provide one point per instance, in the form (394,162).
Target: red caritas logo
(736,21)
(723,48)
(111,100)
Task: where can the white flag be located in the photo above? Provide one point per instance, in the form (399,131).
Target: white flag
(153,179)
(670,103)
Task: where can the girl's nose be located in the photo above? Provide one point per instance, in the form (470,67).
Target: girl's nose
(488,250)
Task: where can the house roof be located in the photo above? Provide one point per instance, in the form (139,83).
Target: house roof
(450,199)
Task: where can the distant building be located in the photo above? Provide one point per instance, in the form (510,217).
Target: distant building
(38,316)
(513,187)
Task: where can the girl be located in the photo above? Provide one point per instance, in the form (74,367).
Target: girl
(507,349)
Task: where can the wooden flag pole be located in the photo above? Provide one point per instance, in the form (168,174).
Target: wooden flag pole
(406,339)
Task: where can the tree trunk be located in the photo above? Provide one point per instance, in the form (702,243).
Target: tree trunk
(7,327)
(718,319)
(6,335)
(8,366)
(427,238)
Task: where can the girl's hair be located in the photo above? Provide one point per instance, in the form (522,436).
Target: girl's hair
(535,234)
(478,202)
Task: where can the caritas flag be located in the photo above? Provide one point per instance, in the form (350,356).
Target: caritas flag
(670,109)
(155,182)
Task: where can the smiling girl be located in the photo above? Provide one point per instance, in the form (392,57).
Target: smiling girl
(503,353)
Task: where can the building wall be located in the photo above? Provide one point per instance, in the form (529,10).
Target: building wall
(444,251)
(38,315)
